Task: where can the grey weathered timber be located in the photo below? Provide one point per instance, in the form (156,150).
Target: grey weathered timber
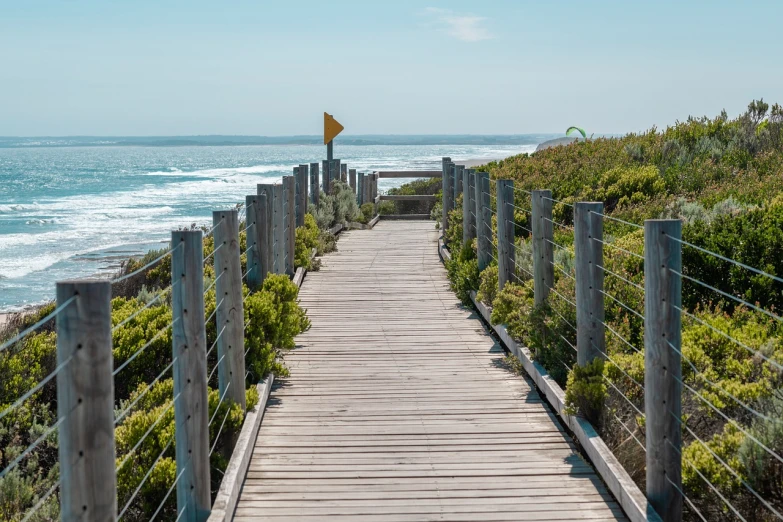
(468,206)
(301,195)
(325,175)
(588,246)
(255,233)
(335,170)
(189,340)
(483,219)
(268,190)
(230,315)
(447,192)
(352,179)
(315,184)
(410,173)
(367,196)
(412,416)
(329,151)
(289,188)
(360,189)
(278,227)
(543,237)
(85,402)
(663,365)
(458,169)
(344,172)
(505,215)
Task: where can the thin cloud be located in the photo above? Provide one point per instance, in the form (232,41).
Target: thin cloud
(467,28)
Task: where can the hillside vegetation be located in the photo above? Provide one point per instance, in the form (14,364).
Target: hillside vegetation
(724,179)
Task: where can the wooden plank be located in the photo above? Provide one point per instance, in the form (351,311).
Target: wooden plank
(386,420)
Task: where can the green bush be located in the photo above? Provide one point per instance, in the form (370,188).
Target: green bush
(488,285)
(307,239)
(586,391)
(367,213)
(463,273)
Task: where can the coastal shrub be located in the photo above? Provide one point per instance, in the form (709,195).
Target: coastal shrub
(430,187)
(488,284)
(622,186)
(586,391)
(463,273)
(367,211)
(453,235)
(512,307)
(764,471)
(307,239)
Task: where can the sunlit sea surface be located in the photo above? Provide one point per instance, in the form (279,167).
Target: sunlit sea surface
(69,212)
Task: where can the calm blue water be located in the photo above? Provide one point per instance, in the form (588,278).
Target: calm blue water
(70,212)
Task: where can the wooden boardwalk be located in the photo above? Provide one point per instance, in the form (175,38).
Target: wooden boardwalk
(399,407)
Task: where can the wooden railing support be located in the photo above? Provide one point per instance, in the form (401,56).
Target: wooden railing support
(278,228)
(267,204)
(255,238)
(230,315)
(505,214)
(360,189)
(301,194)
(483,219)
(334,172)
(448,195)
(315,185)
(469,206)
(663,365)
(325,175)
(588,246)
(543,255)
(85,400)
(352,180)
(344,172)
(191,408)
(458,173)
(289,189)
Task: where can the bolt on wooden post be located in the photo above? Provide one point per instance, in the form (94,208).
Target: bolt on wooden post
(289,186)
(588,246)
(85,402)
(352,180)
(191,408)
(267,204)
(505,214)
(230,315)
(483,219)
(663,365)
(315,185)
(447,191)
(543,237)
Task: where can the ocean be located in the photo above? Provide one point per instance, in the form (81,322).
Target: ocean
(70,211)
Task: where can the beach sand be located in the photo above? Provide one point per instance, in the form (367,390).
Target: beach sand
(3,319)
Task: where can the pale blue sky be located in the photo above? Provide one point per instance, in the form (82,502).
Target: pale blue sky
(482,67)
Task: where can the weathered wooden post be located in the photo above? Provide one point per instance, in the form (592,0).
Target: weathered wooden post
(543,237)
(352,179)
(334,171)
(279,228)
(458,173)
(588,246)
(315,185)
(483,219)
(325,175)
(663,365)
(301,195)
(505,214)
(360,189)
(289,186)
(256,240)
(85,402)
(191,408)
(469,206)
(344,172)
(267,204)
(368,180)
(230,316)
(448,194)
